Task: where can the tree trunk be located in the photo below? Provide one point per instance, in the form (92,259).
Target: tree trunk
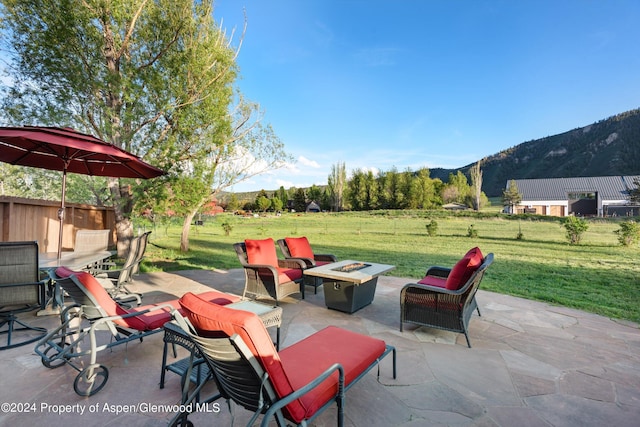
(124,227)
(186,227)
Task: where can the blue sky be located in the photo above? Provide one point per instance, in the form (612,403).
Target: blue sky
(428,83)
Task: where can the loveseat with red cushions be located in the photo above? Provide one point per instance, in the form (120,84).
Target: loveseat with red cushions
(296,383)
(446,297)
(266,276)
(299,248)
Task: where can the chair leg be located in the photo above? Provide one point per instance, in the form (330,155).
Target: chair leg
(466,335)
(10,321)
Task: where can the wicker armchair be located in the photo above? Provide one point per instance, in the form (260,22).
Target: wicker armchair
(266,275)
(299,248)
(21,290)
(429,302)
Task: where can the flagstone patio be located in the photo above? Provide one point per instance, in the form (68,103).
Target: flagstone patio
(531,365)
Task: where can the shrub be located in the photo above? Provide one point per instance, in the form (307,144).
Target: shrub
(432,228)
(227,227)
(628,233)
(472,232)
(575,228)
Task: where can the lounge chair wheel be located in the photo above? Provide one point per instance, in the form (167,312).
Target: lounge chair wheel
(91,380)
(52,363)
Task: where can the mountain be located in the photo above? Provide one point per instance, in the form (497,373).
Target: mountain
(606,148)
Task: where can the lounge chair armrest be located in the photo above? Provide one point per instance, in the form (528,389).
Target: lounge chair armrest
(305,389)
(292,263)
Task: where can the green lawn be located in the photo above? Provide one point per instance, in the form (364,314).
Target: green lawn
(598,275)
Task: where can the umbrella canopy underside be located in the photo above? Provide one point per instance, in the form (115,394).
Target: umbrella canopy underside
(70,151)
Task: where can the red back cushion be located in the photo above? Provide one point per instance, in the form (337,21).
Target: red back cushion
(464,269)
(299,247)
(103,299)
(211,319)
(261,252)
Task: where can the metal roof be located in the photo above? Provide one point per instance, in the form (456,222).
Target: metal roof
(607,187)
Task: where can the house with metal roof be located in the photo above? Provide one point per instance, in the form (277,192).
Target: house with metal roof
(584,196)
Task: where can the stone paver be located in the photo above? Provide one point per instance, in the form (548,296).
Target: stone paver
(531,365)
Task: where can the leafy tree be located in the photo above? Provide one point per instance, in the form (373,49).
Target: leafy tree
(314,193)
(282,195)
(299,200)
(263,203)
(511,196)
(457,188)
(325,200)
(371,191)
(337,181)
(476,185)
(153,77)
(276,204)
(356,190)
(425,189)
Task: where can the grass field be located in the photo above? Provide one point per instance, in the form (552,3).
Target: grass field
(598,276)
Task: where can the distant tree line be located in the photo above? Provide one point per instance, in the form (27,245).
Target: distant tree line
(366,190)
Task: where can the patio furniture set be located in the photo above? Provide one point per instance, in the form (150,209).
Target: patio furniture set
(226,335)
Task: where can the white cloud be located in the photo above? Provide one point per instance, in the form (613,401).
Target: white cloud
(307,162)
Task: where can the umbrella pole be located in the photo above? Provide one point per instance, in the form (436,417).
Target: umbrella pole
(61,211)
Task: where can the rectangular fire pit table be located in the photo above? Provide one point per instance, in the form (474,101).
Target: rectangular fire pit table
(349,285)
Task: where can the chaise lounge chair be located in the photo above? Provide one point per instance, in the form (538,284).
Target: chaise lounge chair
(446,297)
(120,325)
(115,280)
(294,384)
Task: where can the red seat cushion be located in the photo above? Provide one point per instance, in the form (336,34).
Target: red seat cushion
(261,252)
(289,274)
(464,269)
(433,281)
(299,247)
(308,358)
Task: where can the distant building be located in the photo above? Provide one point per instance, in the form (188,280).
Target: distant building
(455,207)
(313,207)
(586,196)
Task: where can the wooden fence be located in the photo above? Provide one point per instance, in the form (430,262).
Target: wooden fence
(28,220)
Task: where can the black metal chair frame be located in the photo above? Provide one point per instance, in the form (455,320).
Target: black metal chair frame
(21,290)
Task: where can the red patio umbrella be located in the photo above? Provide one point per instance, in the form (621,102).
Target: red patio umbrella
(67,150)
